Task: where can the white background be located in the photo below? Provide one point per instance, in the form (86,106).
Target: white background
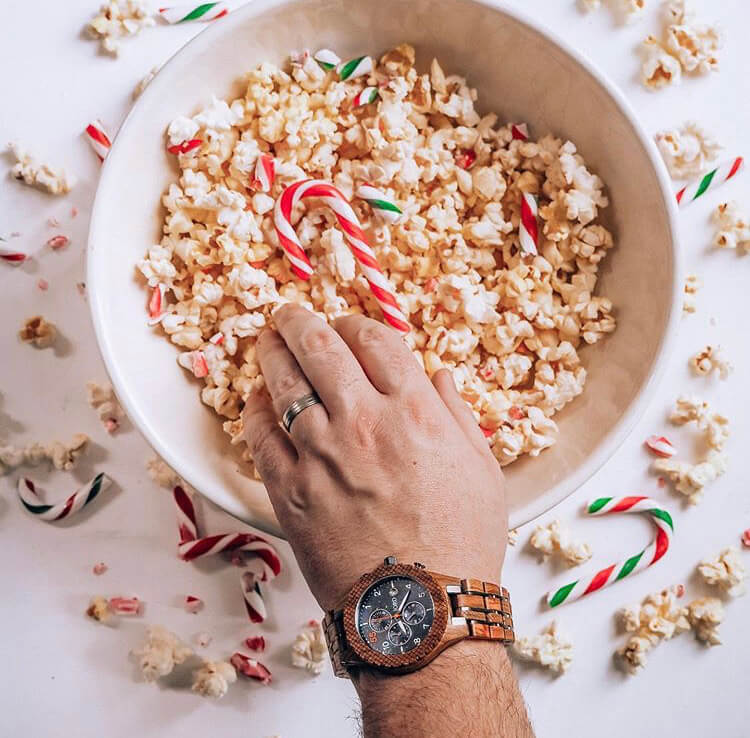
(65,675)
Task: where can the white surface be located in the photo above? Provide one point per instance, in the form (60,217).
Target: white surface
(69,672)
(644,281)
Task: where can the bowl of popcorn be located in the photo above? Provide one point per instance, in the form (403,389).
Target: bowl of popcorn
(513,224)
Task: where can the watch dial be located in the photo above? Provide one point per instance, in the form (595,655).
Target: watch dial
(395,615)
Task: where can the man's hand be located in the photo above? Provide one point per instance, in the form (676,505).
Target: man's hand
(389,463)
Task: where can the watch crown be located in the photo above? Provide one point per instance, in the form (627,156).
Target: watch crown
(419,566)
(389,560)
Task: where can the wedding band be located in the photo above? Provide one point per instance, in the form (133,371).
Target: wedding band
(296,408)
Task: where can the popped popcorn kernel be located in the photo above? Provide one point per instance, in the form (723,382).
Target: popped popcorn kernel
(62,456)
(732,227)
(144,82)
(116,20)
(35,174)
(555,539)
(690,289)
(691,479)
(161,652)
(101,397)
(687,150)
(98,609)
(162,473)
(659,68)
(711,359)
(705,615)
(726,571)
(213,679)
(309,650)
(38,332)
(550,649)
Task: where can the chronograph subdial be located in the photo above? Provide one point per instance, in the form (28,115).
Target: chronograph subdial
(399,633)
(414,613)
(380,620)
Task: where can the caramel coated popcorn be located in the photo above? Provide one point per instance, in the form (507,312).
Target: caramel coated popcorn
(38,332)
(550,649)
(726,571)
(732,227)
(556,539)
(711,359)
(309,650)
(687,150)
(62,456)
(35,174)
(118,19)
(509,327)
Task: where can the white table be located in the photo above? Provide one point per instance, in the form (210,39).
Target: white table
(65,675)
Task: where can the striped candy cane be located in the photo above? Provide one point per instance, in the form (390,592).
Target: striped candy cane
(528,232)
(186,13)
(265,173)
(519,131)
(327,59)
(97,136)
(250,583)
(354,68)
(709,181)
(381,204)
(70,506)
(650,555)
(356,239)
(12,256)
(366,96)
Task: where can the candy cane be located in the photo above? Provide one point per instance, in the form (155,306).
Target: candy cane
(70,506)
(661,446)
(354,68)
(12,256)
(519,132)
(366,96)
(202,12)
(381,204)
(186,522)
(157,304)
(250,583)
(327,59)
(356,239)
(97,136)
(709,181)
(265,173)
(528,232)
(250,667)
(650,555)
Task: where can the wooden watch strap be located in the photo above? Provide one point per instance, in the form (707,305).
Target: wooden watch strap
(486,608)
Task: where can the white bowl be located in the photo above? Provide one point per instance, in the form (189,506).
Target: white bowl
(521,71)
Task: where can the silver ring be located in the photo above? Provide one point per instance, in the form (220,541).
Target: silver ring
(297,407)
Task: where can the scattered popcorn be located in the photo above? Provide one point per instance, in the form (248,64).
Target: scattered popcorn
(38,332)
(631,10)
(161,652)
(549,649)
(100,568)
(509,328)
(213,679)
(118,19)
(250,668)
(98,609)
(513,536)
(144,83)
(726,571)
(63,456)
(555,538)
(309,650)
(101,397)
(591,4)
(659,67)
(715,425)
(193,604)
(42,176)
(162,474)
(733,227)
(687,151)
(692,285)
(705,615)
(690,479)
(658,618)
(711,359)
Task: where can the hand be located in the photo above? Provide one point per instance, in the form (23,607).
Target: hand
(389,463)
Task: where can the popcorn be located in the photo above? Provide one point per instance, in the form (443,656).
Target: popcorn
(98,609)
(733,228)
(309,650)
(508,329)
(161,652)
(101,397)
(691,287)
(689,479)
(726,571)
(213,679)
(711,359)
(687,151)
(513,536)
(715,425)
(144,82)
(659,67)
(38,332)
(656,619)
(705,615)
(549,649)
(162,474)
(63,456)
(116,20)
(43,176)
(555,538)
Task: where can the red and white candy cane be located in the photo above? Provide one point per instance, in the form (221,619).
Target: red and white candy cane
(528,231)
(99,139)
(125,606)
(265,173)
(355,237)
(661,446)
(251,668)
(661,518)
(519,131)
(70,506)
(12,256)
(265,565)
(157,304)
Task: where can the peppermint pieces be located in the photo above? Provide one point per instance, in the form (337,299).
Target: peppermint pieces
(660,446)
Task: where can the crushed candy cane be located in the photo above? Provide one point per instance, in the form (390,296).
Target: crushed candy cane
(58,242)
(125,606)
(100,568)
(193,604)
(255,643)
(661,446)
(745,538)
(250,668)
(43,285)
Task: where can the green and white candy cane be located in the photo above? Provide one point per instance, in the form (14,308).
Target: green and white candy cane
(327,59)
(382,205)
(192,12)
(358,67)
(70,506)
(661,518)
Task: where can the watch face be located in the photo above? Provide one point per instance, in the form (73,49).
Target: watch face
(395,615)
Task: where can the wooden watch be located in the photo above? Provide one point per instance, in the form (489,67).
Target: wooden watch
(399,617)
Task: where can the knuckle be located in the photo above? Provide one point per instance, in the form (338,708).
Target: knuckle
(420,414)
(371,334)
(365,426)
(286,380)
(316,340)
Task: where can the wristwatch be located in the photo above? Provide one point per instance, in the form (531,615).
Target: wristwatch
(399,617)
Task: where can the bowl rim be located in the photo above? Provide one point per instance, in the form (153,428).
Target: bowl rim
(612,441)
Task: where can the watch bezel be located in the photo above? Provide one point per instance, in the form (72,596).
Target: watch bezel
(426,647)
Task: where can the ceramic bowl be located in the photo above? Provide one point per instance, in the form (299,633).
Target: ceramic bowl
(520,70)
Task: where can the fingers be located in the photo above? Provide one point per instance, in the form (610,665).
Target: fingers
(326,360)
(382,353)
(458,407)
(287,383)
(272,451)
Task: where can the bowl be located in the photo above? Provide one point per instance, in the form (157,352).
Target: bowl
(521,71)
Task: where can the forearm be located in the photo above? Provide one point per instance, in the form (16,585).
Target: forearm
(469,689)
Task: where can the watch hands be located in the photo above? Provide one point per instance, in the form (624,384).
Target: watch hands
(403,602)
